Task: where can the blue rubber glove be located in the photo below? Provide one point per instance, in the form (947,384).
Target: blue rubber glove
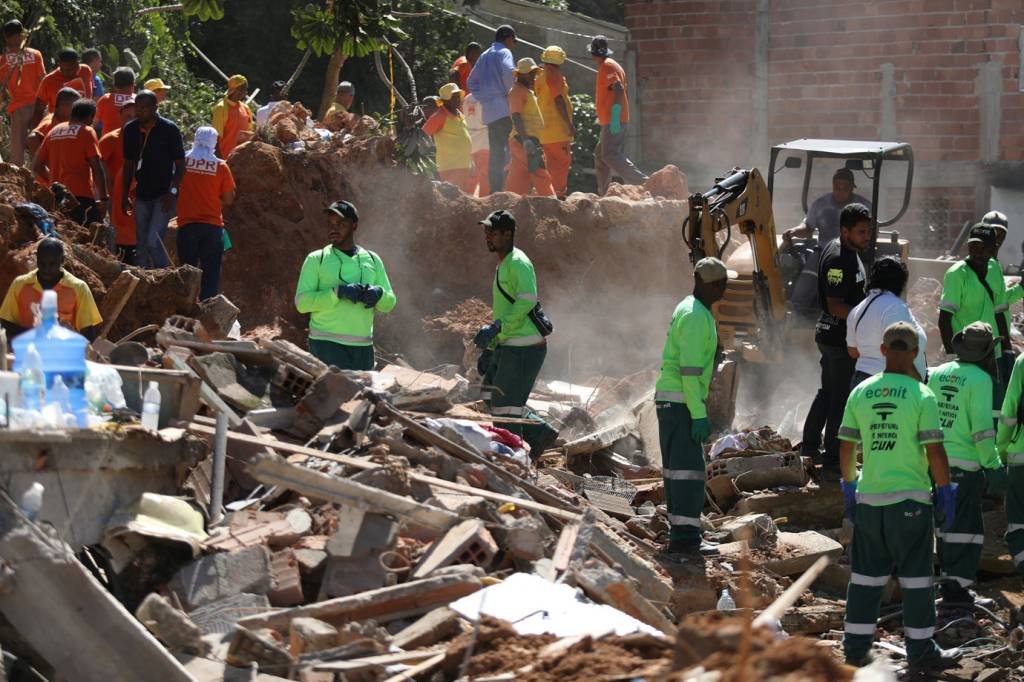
(370,296)
(616,126)
(486,334)
(945,497)
(849,499)
(700,430)
(350,292)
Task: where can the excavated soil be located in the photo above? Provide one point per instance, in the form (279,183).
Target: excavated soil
(609,270)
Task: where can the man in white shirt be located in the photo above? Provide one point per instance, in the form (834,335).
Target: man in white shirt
(263,113)
(869,319)
(473,112)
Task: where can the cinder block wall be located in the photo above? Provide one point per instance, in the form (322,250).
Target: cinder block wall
(943,75)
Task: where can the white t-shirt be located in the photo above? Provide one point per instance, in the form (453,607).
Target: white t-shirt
(263,113)
(868,321)
(474,114)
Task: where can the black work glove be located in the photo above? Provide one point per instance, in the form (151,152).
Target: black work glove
(370,296)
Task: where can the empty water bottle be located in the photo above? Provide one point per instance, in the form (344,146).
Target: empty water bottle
(32,500)
(60,394)
(151,407)
(32,381)
(726,602)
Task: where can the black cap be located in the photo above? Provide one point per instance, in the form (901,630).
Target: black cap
(13,28)
(845,174)
(980,232)
(343,209)
(500,220)
(888,266)
(599,47)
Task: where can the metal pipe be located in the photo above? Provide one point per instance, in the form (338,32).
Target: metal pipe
(220,451)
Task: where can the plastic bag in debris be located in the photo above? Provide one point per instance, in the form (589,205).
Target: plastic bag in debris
(728,442)
(480,438)
(103,387)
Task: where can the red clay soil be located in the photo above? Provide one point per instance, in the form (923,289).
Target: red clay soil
(609,270)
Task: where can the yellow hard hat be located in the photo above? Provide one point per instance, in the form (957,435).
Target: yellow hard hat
(154,84)
(526,65)
(447,90)
(553,54)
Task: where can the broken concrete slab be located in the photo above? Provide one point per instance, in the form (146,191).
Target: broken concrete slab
(328,393)
(388,603)
(217,576)
(64,613)
(748,527)
(220,370)
(599,440)
(354,553)
(791,554)
(440,624)
(249,647)
(526,538)
(287,590)
(812,506)
(815,619)
(467,543)
(218,315)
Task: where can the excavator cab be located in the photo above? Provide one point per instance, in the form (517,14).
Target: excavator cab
(735,221)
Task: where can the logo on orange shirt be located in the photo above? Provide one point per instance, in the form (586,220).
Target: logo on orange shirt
(13,58)
(201,166)
(68,132)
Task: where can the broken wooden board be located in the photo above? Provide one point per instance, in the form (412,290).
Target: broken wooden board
(792,553)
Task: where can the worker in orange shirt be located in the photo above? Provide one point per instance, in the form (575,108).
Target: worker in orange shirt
(21,72)
(451,138)
(558,132)
(232,118)
(206,190)
(70,155)
(459,73)
(70,73)
(526,166)
(612,103)
(65,99)
(108,107)
(112,153)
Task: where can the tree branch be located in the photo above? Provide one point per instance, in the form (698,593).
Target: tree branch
(295,75)
(163,8)
(408,72)
(387,81)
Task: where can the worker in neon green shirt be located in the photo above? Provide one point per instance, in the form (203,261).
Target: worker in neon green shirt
(513,344)
(680,394)
(342,286)
(1010,443)
(1015,292)
(963,388)
(895,419)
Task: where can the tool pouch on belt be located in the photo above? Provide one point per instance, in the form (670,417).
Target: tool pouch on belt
(534,154)
(537,315)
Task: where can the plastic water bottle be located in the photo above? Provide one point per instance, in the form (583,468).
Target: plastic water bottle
(60,395)
(151,407)
(726,602)
(62,352)
(32,500)
(32,380)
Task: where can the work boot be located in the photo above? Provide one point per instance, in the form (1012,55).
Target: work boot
(861,661)
(940,660)
(955,593)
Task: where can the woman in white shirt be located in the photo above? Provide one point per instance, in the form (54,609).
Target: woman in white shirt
(869,319)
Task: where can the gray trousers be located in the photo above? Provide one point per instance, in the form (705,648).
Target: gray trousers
(610,159)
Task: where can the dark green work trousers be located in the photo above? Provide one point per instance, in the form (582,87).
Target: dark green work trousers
(342,356)
(507,385)
(896,537)
(960,546)
(1015,514)
(682,463)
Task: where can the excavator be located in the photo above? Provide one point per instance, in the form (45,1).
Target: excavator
(734,221)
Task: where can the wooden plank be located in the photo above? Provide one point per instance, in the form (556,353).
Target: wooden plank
(368,662)
(271,444)
(272,470)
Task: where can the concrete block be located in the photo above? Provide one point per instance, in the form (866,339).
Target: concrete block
(813,620)
(217,315)
(324,397)
(438,625)
(749,526)
(526,538)
(309,634)
(171,626)
(467,543)
(311,563)
(219,618)
(812,506)
(287,579)
(220,370)
(248,647)
(792,554)
(223,575)
(360,533)
(344,576)
(607,586)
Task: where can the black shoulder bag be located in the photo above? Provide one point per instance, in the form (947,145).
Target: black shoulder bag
(537,315)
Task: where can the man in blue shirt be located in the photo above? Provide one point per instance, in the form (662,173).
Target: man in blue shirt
(491,79)
(823,214)
(94,60)
(154,156)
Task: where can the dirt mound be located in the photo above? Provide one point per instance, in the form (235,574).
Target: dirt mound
(609,269)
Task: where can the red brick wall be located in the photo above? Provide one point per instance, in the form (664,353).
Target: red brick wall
(695,72)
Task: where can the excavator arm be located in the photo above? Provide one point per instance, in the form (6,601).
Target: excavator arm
(754,308)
